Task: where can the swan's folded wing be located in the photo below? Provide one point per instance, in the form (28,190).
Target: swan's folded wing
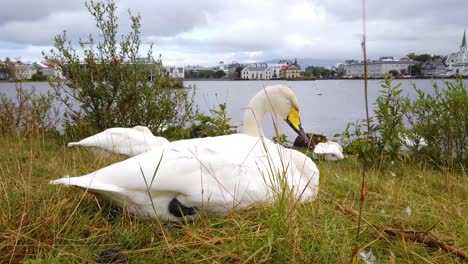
(215,172)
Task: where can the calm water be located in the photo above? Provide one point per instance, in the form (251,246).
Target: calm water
(326,105)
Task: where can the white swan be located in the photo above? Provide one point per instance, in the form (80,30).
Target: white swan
(409,144)
(211,174)
(330,151)
(124,141)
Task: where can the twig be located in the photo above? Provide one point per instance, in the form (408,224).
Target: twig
(363,182)
(355,216)
(427,238)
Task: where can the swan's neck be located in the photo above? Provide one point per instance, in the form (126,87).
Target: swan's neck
(253,116)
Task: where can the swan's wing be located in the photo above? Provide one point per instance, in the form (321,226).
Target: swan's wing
(309,175)
(320,148)
(125,141)
(214,173)
(338,146)
(143,129)
(337,151)
(331,151)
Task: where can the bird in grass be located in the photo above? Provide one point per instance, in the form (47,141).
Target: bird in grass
(214,174)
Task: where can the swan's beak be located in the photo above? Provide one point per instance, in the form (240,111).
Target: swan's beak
(294,121)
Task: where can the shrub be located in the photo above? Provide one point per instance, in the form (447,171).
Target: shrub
(391,108)
(39,76)
(215,125)
(29,112)
(112,85)
(387,131)
(442,120)
(281,139)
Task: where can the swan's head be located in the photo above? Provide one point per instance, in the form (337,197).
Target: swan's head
(283,103)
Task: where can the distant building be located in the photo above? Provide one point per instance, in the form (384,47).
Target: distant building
(4,71)
(276,69)
(434,68)
(175,72)
(48,69)
(291,70)
(223,67)
(457,63)
(386,58)
(189,70)
(256,71)
(340,69)
(380,68)
(234,70)
(23,71)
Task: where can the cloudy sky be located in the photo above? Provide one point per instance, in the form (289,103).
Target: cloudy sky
(206,31)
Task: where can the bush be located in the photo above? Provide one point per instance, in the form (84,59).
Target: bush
(39,76)
(442,120)
(29,112)
(387,131)
(212,126)
(112,85)
(391,108)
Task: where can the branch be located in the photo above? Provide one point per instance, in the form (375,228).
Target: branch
(427,238)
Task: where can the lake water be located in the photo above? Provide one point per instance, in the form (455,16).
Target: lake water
(326,105)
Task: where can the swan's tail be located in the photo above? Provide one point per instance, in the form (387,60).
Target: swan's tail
(86,183)
(66,180)
(71,144)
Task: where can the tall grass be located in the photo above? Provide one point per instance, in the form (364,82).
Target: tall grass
(40,223)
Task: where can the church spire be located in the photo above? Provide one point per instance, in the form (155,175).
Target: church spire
(464,39)
(463,44)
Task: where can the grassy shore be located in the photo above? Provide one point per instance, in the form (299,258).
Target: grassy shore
(41,223)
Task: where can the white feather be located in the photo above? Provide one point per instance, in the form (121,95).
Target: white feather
(330,151)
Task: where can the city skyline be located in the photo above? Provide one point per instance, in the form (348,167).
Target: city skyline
(247,31)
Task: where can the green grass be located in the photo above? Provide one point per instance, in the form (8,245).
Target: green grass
(42,223)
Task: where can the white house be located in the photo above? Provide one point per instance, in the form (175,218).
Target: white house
(256,71)
(49,70)
(175,72)
(380,68)
(23,71)
(457,63)
(275,70)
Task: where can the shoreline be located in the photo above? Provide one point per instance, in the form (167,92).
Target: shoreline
(293,80)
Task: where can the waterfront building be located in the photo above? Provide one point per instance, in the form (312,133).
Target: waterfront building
(434,68)
(47,69)
(291,70)
(457,63)
(189,70)
(256,71)
(175,72)
(23,71)
(275,69)
(379,68)
(234,70)
(340,69)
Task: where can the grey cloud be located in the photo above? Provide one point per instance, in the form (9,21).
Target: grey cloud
(249,30)
(26,10)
